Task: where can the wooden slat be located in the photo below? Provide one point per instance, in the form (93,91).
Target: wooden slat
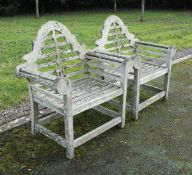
(151,52)
(74,65)
(153,44)
(150,87)
(97,101)
(49,104)
(151,100)
(56,36)
(58,44)
(100,56)
(115,33)
(47,119)
(155,75)
(114,27)
(127,51)
(53,54)
(117,40)
(154,64)
(55,137)
(92,92)
(118,55)
(76,73)
(94,133)
(102,66)
(56,97)
(106,111)
(105,74)
(118,47)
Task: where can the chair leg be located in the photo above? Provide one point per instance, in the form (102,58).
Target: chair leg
(123,109)
(166,85)
(34,116)
(136,94)
(69,135)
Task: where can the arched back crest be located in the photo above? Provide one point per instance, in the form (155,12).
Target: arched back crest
(109,22)
(42,35)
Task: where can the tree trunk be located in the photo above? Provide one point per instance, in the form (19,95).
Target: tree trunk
(115,6)
(142,10)
(151,3)
(37,8)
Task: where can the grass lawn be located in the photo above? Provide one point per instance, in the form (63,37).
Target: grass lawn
(17,33)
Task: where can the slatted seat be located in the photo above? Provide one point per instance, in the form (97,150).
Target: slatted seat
(154,60)
(63,77)
(147,71)
(86,90)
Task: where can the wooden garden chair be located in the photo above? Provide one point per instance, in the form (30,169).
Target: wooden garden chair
(154,60)
(65,78)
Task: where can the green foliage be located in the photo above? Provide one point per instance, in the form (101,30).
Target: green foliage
(12,7)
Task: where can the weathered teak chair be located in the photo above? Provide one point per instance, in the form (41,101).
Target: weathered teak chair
(64,79)
(154,60)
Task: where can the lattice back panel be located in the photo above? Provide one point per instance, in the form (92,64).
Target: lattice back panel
(116,37)
(58,52)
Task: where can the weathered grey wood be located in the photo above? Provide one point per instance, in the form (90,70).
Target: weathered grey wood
(49,73)
(155,59)
(150,87)
(153,76)
(49,118)
(34,110)
(53,136)
(103,56)
(152,44)
(106,111)
(95,102)
(171,53)
(90,135)
(108,25)
(136,94)
(151,100)
(125,71)
(47,93)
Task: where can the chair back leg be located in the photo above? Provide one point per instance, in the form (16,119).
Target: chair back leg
(136,94)
(34,110)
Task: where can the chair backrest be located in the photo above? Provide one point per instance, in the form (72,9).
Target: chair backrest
(115,37)
(56,51)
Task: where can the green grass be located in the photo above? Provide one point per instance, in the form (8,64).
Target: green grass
(17,33)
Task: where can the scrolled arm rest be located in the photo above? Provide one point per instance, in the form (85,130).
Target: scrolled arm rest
(108,56)
(152,44)
(63,86)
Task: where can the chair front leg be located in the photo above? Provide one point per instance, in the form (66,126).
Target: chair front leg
(34,116)
(136,94)
(69,135)
(171,53)
(167,84)
(34,110)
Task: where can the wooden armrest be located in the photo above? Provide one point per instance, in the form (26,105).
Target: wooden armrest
(37,77)
(153,44)
(61,84)
(113,57)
